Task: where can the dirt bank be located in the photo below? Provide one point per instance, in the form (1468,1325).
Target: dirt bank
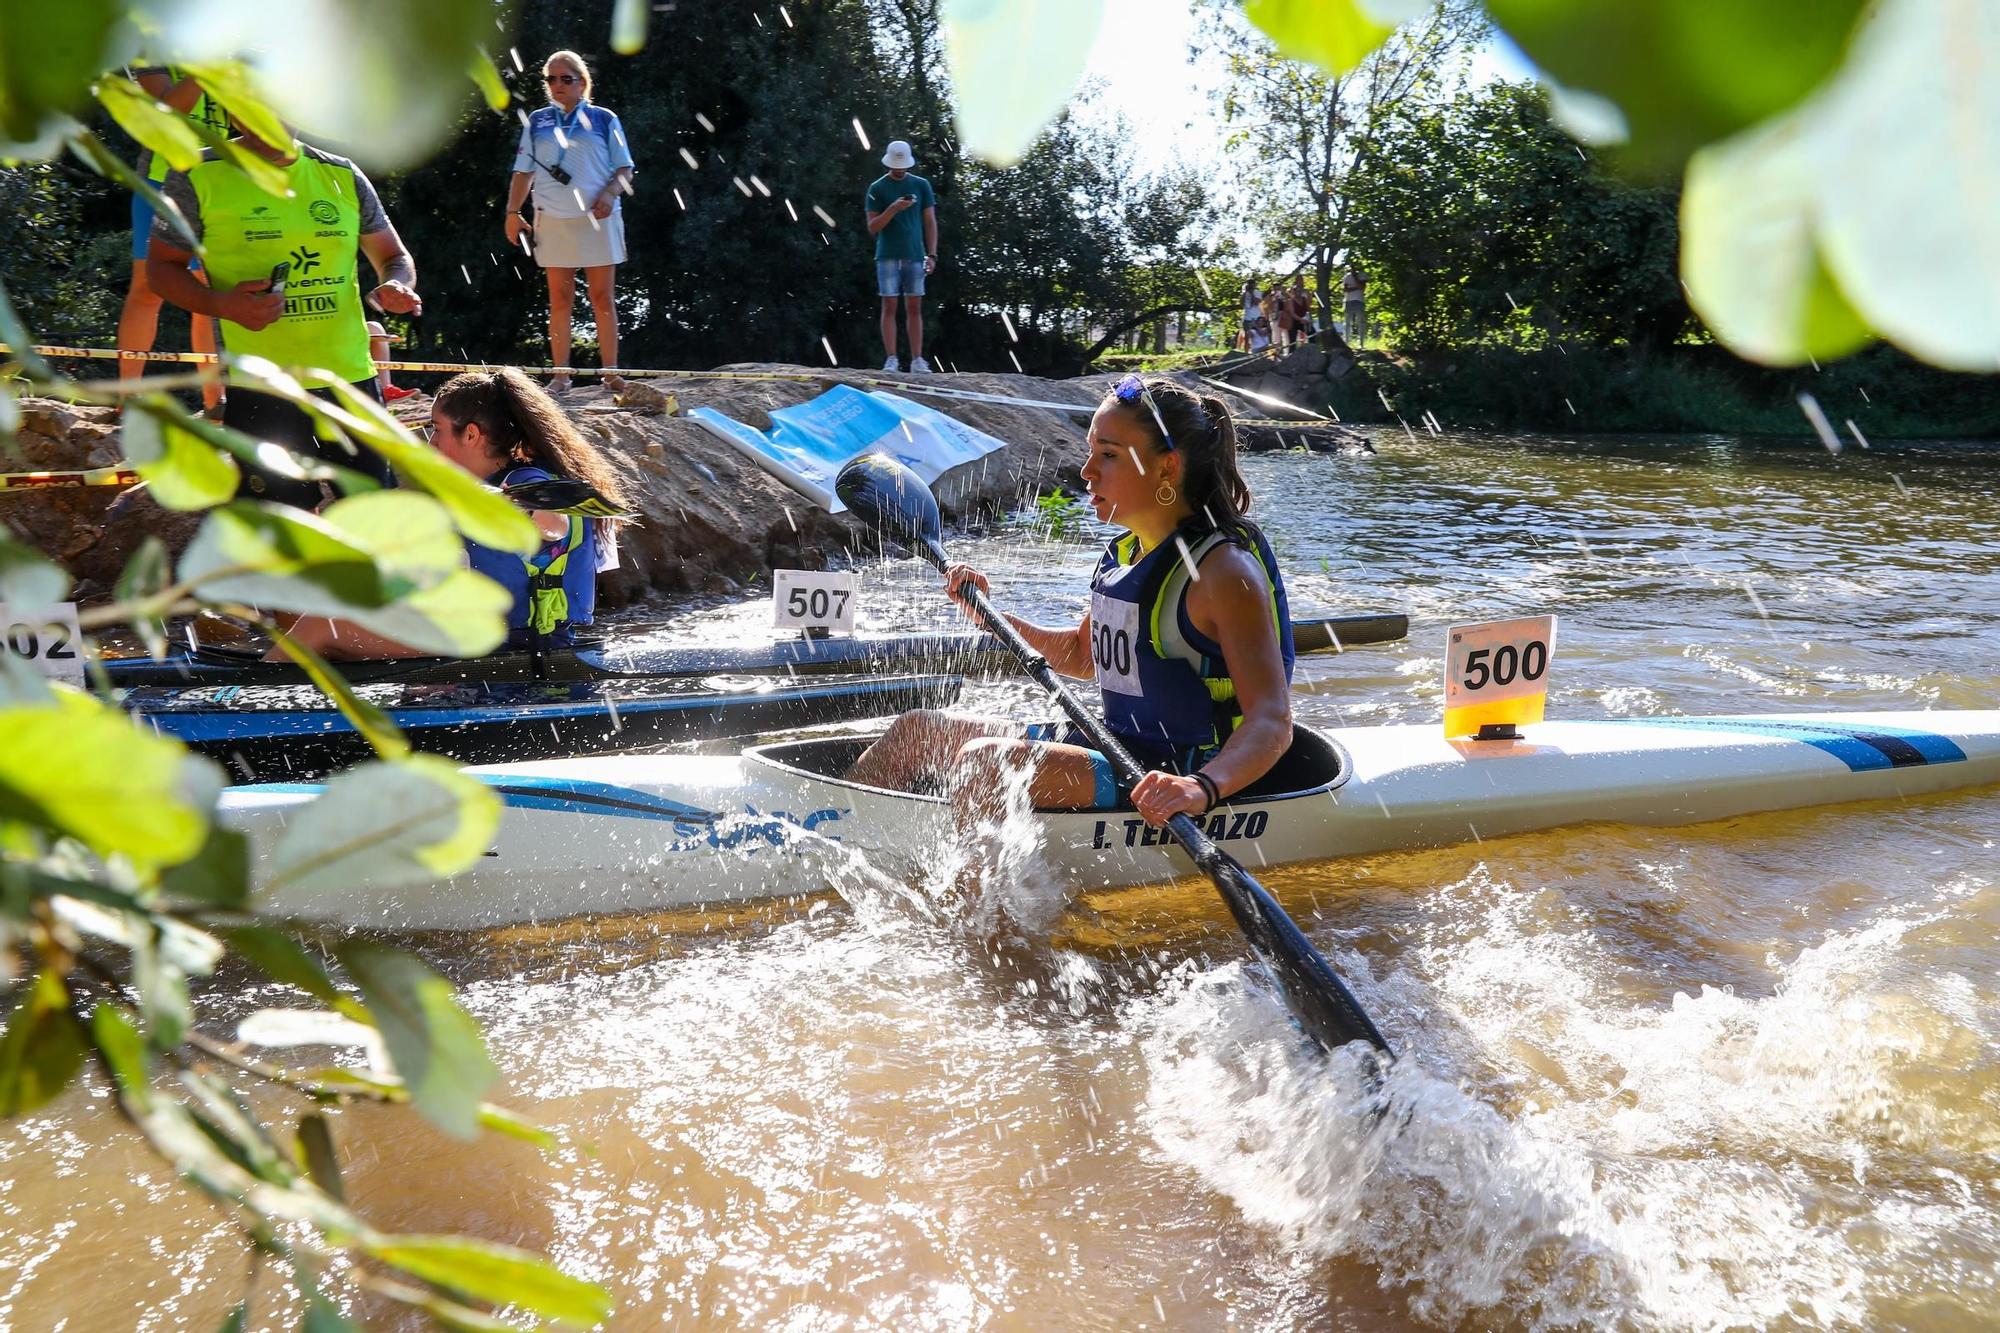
(711,519)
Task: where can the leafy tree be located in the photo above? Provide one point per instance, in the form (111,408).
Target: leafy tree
(1478,220)
(1300,131)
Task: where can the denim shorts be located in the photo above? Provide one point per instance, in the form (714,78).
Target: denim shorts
(1167,758)
(899,277)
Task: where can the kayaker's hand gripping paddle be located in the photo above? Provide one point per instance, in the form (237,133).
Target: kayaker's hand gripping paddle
(881,490)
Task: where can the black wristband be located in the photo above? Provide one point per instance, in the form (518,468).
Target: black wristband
(1208,786)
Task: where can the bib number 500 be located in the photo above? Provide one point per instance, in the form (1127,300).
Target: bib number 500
(46,638)
(1114,650)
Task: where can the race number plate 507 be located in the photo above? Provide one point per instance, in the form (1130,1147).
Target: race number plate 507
(813,599)
(46,638)
(1496,673)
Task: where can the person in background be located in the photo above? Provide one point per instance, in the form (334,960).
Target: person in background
(1302,312)
(574,158)
(139,320)
(1260,328)
(1252,310)
(284,273)
(380,340)
(902,217)
(1354,299)
(505,430)
(1287,334)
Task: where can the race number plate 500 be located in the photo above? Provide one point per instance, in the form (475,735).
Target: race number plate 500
(46,637)
(1496,673)
(820,599)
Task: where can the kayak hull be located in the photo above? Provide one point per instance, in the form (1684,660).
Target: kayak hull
(944,653)
(619,834)
(287,732)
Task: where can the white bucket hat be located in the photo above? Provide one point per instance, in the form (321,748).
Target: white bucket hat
(899,157)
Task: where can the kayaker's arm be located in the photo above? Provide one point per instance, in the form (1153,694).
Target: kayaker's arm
(1067,650)
(553,526)
(1231,605)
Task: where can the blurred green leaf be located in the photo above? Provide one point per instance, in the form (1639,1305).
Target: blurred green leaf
(1014,67)
(42,1048)
(464,616)
(629,20)
(449,1314)
(163,993)
(407,822)
(1336,35)
(231,83)
(497,1274)
(480,512)
(79,767)
(503,1121)
(118,1041)
(184,471)
(407,532)
(283,559)
(486,78)
(216,876)
(316,1151)
(145,575)
(1910,150)
(434,1044)
(1684,72)
(27,579)
(403,68)
(150,121)
(383,735)
(236,1320)
(1789,249)
(49,55)
(279,957)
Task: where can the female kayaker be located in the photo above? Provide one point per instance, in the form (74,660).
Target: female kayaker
(1188,634)
(504,429)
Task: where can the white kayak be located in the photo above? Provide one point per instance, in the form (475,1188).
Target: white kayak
(639,833)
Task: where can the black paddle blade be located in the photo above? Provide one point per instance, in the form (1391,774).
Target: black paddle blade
(1325,1008)
(561,495)
(882,491)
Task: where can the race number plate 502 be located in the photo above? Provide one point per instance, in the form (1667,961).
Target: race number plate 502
(820,599)
(1497,673)
(46,638)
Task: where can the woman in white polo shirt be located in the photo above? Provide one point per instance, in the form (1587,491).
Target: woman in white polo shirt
(574,157)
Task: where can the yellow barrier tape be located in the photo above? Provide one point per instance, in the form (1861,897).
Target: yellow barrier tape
(96,476)
(767,376)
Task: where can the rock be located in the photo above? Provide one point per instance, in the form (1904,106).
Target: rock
(644,399)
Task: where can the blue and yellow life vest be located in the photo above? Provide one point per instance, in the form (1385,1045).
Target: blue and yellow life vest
(1164,681)
(555,589)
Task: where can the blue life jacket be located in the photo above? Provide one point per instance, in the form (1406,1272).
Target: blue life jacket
(1165,682)
(559,580)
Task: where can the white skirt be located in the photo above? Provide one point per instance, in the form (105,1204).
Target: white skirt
(584,242)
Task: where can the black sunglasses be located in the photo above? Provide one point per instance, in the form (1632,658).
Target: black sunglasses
(562,78)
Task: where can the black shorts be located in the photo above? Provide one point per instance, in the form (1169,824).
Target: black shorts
(264,416)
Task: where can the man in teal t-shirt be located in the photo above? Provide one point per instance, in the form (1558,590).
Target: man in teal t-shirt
(902,217)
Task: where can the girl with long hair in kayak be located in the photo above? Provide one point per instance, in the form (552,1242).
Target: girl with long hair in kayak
(504,429)
(1188,635)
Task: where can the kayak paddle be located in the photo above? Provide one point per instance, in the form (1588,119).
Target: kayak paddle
(880,489)
(564,495)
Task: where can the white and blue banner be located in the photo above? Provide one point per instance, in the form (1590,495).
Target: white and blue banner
(807,445)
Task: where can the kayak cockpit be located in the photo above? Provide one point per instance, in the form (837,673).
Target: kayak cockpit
(1315,764)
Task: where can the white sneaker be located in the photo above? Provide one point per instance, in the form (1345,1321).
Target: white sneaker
(890,364)
(920,367)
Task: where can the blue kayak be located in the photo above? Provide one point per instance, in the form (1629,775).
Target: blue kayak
(269,732)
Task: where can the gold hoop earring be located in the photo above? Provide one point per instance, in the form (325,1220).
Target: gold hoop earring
(1165,495)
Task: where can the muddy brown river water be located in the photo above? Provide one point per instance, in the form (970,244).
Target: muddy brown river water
(1742,1074)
